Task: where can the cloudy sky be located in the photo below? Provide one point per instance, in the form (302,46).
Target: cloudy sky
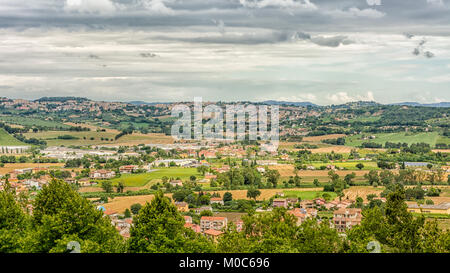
(322,51)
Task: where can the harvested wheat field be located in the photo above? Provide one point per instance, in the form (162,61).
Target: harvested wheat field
(92,127)
(9,167)
(441,151)
(362,191)
(336,149)
(320,138)
(138,138)
(99,189)
(287,170)
(121,203)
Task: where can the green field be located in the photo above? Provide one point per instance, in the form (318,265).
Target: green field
(430,138)
(94,138)
(443,139)
(368,165)
(308,195)
(139,180)
(51,137)
(28,121)
(8,140)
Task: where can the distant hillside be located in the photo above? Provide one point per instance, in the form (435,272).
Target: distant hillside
(356,104)
(146,103)
(302,104)
(62,99)
(440,104)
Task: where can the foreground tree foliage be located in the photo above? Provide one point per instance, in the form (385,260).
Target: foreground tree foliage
(159,228)
(14,224)
(61,215)
(397,230)
(277,232)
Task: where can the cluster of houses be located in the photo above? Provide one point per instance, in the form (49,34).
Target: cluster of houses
(344,218)
(211,226)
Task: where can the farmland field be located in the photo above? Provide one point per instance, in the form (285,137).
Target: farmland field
(320,138)
(288,170)
(308,195)
(28,121)
(336,149)
(139,180)
(8,140)
(428,137)
(361,191)
(368,165)
(95,138)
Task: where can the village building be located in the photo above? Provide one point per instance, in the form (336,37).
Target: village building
(200,209)
(128,168)
(443,208)
(277,203)
(213,234)
(176,162)
(210,222)
(194,227)
(187,219)
(102,174)
(175,183)
(182,206)
(303,214)
(216,200)
(346,218)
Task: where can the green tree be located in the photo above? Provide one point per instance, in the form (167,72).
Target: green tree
(272,177)
(227,197)
(135,208)
(253,193)
(61,215)
(127,213)
(159,228)
(107,186)
(14,224)
(120,187)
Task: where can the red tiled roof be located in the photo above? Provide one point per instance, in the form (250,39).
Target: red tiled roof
(213,232)
(212,218)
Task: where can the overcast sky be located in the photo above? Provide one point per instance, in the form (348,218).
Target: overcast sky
(322,51)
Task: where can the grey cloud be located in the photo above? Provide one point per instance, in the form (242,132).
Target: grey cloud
(93,56)
(270,37)
(275,15)
(428,54)
(148,55)
(333,41)
(420,49)
(245,38)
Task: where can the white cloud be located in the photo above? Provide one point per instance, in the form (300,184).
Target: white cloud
(90,6)
(157,6)
(344,97)
(298,98)
(356,12)
(373,2)
(437,3)
(302,4)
